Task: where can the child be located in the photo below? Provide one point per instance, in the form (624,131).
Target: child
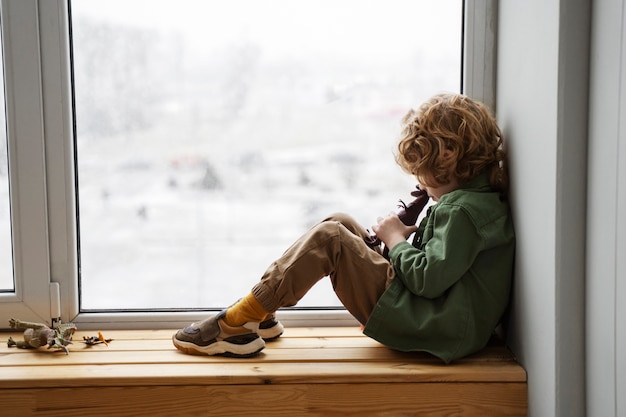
(444,293)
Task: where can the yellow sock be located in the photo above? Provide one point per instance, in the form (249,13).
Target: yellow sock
(245,310)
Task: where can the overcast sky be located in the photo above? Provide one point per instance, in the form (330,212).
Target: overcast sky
(319,27)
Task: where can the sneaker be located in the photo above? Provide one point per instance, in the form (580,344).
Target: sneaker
(270,329)
(214,337)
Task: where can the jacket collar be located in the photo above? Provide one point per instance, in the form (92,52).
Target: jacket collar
(478,183)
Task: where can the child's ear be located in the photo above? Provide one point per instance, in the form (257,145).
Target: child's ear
(448,154)
(448,157)
(449,160)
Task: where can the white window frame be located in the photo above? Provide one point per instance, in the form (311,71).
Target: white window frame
(38,79)
(26,157)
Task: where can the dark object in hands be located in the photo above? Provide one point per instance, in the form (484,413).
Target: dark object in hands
(407,213)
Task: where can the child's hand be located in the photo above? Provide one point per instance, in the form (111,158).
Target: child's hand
(391,230)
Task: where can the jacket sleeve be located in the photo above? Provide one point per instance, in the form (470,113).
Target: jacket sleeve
(444,258)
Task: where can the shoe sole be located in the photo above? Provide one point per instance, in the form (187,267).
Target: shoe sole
(271,333)
(221,348)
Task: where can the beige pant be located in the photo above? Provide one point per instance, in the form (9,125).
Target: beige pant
(334,248)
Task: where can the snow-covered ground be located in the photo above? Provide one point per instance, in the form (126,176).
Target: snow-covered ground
(156,233)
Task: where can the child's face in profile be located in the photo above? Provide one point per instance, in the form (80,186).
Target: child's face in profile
(437,191)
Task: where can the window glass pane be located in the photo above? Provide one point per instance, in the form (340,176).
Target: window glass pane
(6,249)
(210,135)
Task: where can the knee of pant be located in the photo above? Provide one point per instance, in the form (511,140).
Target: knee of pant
(342,218)
(327,227)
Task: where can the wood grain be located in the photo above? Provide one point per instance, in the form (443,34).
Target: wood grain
(308,371)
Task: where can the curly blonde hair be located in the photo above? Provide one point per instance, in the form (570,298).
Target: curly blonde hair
(452,137)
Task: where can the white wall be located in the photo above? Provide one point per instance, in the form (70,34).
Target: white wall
(606,263)
(542,108)
(526,103)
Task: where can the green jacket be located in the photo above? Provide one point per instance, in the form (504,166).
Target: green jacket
(452,284)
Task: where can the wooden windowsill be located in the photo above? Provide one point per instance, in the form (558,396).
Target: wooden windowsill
(308,371)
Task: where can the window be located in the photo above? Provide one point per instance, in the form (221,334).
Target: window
(24,239)
(6,247)
(172,149)
(211,135)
